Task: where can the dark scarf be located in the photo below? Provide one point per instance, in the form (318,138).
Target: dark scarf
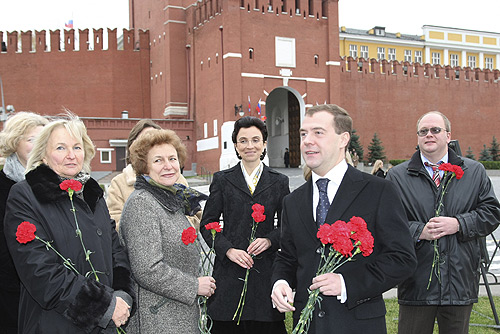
(173,197)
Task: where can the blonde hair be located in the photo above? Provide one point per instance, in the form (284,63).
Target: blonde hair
(377,165)
(76,129)
(15,128)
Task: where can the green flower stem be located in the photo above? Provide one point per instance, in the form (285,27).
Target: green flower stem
(332,262)
(205,321)
(67,262)
(79,234)
(243,295)
(436,269)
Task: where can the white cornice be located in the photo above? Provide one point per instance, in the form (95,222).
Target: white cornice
(267,76)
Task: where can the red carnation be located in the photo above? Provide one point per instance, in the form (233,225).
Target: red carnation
(325,234)
(25,232)
(71,184)
(214,226)
(447,167)
(188,235)
(366,242)
(356,224)
(258,208)
(258,217)
(341,238)
(458,172)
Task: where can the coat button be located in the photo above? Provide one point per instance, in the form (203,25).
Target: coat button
(99,232)
(318,250)
(321,314)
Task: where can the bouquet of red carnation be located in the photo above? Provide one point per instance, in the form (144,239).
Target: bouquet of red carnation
(189,236)
(453,171)
(258,217)
(346,240)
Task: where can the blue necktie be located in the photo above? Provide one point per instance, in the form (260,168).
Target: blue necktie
(323,203)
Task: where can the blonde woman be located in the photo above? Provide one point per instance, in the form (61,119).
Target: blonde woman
(377,169)
(16,143)
(55,298)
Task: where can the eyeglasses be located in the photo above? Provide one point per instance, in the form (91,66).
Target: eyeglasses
(245,142)
(435,130)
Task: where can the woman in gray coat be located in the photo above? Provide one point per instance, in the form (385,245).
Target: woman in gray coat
(154,216)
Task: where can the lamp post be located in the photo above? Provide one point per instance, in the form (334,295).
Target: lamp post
(2,116)
(10,107)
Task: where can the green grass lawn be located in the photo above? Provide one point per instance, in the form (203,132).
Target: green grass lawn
(481,316)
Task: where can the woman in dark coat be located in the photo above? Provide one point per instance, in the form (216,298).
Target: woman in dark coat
(55,298)
(16,142)
(377,169)
(232,194)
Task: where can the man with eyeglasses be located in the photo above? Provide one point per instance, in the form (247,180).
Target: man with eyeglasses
(470,211)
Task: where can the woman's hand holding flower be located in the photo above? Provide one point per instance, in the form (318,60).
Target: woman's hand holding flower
(206,286)
(240,257)
(121,312)
(258,246)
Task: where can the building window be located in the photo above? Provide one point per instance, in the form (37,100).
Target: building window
(418,56)
(436,58)
(364,51)
(380,53)
(488,63)
(391,53)
(453,60)
(471,61)
(105,155)
(250,53)
(408,55)
(353,50)
(316,59)
(379,31)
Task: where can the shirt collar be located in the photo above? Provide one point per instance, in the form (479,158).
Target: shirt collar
(444,159)
(335,175)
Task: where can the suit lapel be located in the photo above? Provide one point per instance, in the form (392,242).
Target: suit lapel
(264,181)
(304,207)
(349,188)
(236,178)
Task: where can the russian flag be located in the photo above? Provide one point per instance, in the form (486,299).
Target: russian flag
(249,105)
(69,24)
(258,109)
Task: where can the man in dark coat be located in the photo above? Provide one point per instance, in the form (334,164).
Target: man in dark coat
(352,296)
(470,211)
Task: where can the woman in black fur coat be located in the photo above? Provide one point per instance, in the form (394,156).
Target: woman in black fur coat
(54,297)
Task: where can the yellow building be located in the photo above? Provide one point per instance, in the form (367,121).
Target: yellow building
(438,45)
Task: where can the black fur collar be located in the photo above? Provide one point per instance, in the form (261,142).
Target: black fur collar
(45,185)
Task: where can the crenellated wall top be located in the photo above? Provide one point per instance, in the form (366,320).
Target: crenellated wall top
(72,40)
(416,70)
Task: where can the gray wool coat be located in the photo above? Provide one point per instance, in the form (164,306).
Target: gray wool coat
(161,265)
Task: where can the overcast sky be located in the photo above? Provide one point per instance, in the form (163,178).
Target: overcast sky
(405,16)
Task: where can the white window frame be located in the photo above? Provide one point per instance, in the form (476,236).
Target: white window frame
(380,53)
(391,54)
(471,61)
(408,55)
(353,50)
(363,52)
(488,63)
(108,151)
(418,57)
(454,60)
(436,58)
